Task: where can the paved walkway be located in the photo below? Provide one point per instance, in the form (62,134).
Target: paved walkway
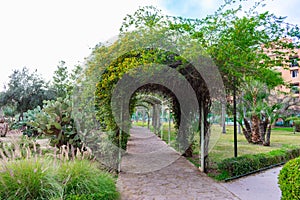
(152,170)
(261,186)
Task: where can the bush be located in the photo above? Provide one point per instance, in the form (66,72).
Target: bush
(55,120)
(82,179)
(25,174)
(297,125)
(289,180)
(245,164)
(29,179)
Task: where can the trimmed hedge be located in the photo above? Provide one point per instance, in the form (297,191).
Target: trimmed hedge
(232,167)
(289,180)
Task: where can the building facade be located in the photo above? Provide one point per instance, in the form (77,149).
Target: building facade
(290,74)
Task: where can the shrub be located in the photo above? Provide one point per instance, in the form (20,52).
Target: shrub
(25,174)
(55,120)
(297,125)
(23,123)
(82,179)
(289,180)
(245,164)
(29,179)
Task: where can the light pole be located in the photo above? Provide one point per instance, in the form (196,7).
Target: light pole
(234,118)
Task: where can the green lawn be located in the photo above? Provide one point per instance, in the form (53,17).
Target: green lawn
(280,138)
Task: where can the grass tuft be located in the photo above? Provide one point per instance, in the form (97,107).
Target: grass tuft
(29,179)
(27,174)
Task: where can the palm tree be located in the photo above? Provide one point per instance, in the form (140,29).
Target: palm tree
(257,123)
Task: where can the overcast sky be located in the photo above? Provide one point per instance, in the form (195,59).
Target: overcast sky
(38,34)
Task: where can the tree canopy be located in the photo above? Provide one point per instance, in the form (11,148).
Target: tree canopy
(239,41)
(25,91)
(239,45)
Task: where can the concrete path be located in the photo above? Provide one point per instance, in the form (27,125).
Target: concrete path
(152,170)
(261,186)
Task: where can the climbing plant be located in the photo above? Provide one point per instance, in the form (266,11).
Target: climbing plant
(131,53)
(116,70)
(237,45)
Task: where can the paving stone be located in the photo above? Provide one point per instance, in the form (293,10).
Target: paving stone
(153,171)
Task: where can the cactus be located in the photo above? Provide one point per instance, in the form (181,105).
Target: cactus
(55,120)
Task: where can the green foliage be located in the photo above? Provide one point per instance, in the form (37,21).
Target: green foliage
(289,180)
(61,83)
(25,91)
(96,196)
(297,125)
(236,44)
(83,180)
(257,104)
(24,123)
(64,81)
(26,174)
(29,179)
(55,120)
(41,178)
(126,63)
(9,111)
(245,164)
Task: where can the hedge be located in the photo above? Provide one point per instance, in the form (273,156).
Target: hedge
(289,180)
(233,167)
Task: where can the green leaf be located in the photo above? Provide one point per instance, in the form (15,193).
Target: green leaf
(57,125)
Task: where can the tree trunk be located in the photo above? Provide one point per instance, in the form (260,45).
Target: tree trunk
(223,123)
(247,135)
(247,130)
(188,152)
(148,123)
(262,131)
(268,138)
(255,129)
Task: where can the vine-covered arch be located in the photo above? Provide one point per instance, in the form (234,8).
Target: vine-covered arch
(157,61)
(151,103)
(172,64)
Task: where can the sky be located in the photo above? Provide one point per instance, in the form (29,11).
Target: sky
(38,34)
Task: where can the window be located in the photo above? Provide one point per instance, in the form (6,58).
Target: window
(294,73)
(295,88)
(294,61)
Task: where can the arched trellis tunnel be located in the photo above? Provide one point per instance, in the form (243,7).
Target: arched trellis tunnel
(181,83)
(152,105)
(146,62)
(155,107)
